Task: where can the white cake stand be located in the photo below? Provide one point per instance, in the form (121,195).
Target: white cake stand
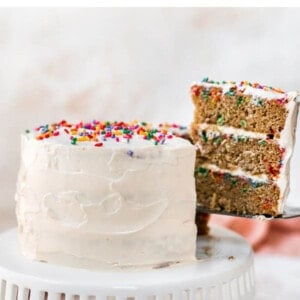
(224,270)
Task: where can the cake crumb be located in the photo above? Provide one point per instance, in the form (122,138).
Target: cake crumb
(207,250)
(162,265)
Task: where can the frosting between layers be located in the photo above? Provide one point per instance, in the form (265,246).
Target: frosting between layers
(100,207)
(216,130)
(236,172)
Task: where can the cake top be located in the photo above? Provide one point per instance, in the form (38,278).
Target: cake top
(101,133)
(254,89)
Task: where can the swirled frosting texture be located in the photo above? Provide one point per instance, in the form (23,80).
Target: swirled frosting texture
(125,204)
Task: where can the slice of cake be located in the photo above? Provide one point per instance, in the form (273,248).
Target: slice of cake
(100,194)
(245,137)
(201,219)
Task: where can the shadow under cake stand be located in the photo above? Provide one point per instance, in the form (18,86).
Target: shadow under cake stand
(223,270)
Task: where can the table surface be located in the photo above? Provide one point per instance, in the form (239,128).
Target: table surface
(277,277)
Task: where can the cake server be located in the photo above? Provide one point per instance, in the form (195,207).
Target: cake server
(288,213)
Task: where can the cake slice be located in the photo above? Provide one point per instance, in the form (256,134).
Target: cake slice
(244,133)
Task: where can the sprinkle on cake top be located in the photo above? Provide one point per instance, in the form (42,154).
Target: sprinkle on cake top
(100,132)
(231,88)
(245,83)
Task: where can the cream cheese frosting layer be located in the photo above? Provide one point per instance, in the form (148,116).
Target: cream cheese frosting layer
(216,130)
(126,203)
(247,88)
(237,172)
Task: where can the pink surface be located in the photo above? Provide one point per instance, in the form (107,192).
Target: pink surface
(281,237)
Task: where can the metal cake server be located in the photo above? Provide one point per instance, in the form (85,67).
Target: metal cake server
(288,213)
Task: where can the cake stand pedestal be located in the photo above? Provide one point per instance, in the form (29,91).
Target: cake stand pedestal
(223,270)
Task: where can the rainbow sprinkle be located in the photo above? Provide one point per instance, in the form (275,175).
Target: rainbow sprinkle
(238,85)
(246,83)
(99,132)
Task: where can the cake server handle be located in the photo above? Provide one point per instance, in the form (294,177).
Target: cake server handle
(288,213)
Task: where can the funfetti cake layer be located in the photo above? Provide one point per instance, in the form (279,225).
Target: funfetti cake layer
(238,149)
(244,132)
(218,190)
(96,195)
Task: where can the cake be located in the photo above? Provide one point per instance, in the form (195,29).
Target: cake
(106,194)
(201,219)
(244,133)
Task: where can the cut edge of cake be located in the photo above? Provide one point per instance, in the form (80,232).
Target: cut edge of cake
(228,126)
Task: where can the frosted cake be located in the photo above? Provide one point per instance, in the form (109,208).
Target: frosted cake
(244,133)
(100,194)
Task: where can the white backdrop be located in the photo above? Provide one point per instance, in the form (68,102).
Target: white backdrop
(128,63)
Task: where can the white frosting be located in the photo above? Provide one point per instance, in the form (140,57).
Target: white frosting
(267,94)
(264,94)
(96,207)
(287,141)
(236,172)
(216,130)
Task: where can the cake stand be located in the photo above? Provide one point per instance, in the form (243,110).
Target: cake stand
(223,270)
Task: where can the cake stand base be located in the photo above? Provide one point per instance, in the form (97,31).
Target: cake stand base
(223,270)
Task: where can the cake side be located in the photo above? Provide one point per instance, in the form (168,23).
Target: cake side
(125,203)
(246,131)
